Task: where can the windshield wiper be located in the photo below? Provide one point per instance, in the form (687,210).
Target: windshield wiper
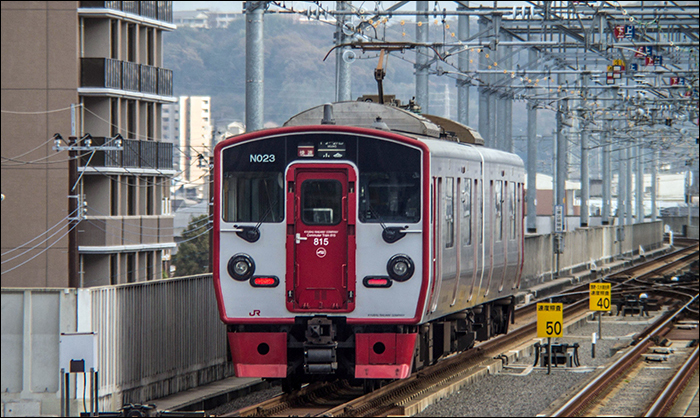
(390,234)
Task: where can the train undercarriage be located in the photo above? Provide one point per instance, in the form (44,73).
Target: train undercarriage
(317,348)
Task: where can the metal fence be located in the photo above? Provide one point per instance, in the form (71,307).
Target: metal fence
(154,339)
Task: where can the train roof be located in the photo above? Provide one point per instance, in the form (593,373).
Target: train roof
(373,115)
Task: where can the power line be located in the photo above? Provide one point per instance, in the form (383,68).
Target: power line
(37,237)
(39,253)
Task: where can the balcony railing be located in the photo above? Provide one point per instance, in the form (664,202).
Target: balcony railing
(125,75)
(136,154)
(157,10)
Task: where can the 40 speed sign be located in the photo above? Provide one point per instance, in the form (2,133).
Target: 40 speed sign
(599,297)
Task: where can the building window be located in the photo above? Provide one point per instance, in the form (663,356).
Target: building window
(130,267)
(131,195)
(113,269)
(114,196)
(131,42)
(149,266)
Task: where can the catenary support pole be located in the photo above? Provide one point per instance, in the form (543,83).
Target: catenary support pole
(343,84)
(531,166)
(585,191)
(654,182)
(607,177)
(422,59)
(254,65)
(629,161)
(639,189)
(463,62)
(484,111)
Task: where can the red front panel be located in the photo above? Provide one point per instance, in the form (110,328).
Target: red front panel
(384,355)
(259,354)
(320,238)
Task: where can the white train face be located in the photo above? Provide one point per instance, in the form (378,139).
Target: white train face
(324,223)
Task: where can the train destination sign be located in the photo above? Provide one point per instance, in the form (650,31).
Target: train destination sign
(550,320)
(599,297)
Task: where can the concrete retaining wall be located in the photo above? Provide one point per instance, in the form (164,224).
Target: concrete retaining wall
(583,247)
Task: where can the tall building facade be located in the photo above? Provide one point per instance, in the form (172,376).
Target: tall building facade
(195,144)
(106,58)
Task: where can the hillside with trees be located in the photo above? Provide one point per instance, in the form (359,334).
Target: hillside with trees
(211,62)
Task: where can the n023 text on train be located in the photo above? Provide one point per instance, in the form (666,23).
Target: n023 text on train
(262,158)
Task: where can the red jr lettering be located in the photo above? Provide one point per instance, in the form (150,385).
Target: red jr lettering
(254,313)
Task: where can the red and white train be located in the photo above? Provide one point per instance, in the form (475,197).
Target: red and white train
(363,247)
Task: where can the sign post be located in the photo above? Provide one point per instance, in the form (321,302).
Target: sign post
(559,232)
(550,322)
(599,300)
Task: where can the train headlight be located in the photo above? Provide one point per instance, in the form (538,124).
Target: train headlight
(241,267)
(400,267)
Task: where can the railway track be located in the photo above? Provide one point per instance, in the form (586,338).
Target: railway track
(408,396)
(602,390)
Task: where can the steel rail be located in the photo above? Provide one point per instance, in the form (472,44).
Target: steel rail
(674,387)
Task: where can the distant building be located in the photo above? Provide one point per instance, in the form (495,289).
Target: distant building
(195,145)
(170,131)
(107,57)
(205,18)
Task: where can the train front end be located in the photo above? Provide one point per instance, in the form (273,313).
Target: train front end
(320,251)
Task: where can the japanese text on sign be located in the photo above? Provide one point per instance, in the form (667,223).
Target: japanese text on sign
(550,320)
(599,297)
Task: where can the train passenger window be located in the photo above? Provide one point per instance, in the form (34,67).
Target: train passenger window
(321,202)
(498,202)
(253,197)
(467,212)
(449,233)
(513,224)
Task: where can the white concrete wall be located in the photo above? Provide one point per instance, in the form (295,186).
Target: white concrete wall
(584,246)
(154,339)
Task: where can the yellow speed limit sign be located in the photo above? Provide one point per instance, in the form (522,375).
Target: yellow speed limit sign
(599,299)
(550,320)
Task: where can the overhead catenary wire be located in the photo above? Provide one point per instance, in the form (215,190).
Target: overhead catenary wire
(40,252)
(39,236)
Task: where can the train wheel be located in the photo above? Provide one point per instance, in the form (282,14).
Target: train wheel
(290,384)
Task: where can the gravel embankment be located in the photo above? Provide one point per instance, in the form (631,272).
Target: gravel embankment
(515,392)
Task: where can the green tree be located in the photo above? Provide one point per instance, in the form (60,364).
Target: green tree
(193,252)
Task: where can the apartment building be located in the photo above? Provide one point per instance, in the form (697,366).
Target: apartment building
(195,127)
(107,58)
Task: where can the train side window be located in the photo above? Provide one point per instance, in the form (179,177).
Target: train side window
(513,223)
(449,212)
(480,199)
(467,211)
(498,201)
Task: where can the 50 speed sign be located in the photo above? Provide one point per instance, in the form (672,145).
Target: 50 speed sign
(550,320)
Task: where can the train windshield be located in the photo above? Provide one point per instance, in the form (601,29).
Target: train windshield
(389,182)
(253,197)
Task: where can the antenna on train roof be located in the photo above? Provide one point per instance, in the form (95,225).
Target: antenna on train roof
(328,114)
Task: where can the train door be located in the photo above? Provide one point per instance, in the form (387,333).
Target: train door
(320,238)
